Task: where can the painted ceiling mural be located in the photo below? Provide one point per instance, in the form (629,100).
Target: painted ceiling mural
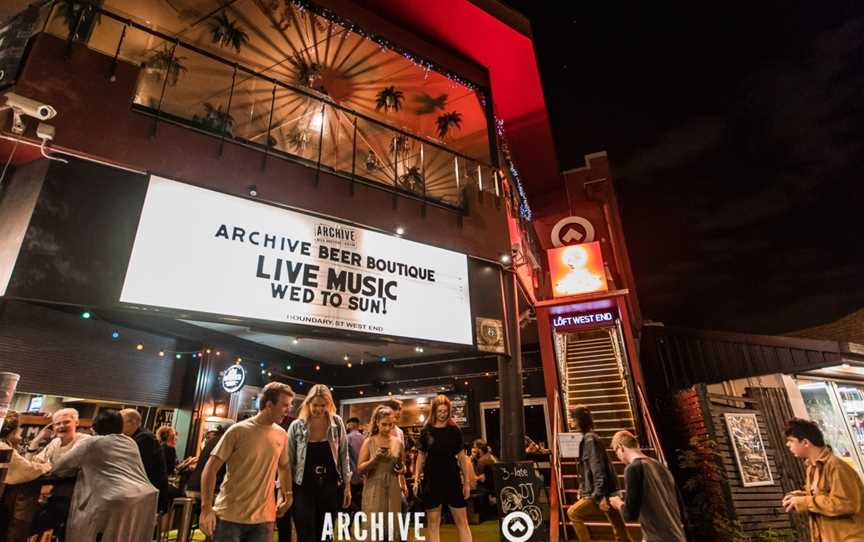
(287,42)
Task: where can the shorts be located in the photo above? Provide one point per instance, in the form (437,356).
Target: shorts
(443,490)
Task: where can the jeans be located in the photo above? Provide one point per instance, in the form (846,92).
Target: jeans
(587,507)
(241,532)
(311,503)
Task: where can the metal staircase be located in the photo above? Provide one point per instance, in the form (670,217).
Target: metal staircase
(595,375)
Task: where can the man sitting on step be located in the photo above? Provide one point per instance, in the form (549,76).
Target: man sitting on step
(599,481)
(651,495)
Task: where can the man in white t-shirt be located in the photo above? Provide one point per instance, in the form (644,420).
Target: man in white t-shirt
(253,451)
(64,430)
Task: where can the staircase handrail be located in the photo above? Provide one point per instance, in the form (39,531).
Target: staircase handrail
(650,429)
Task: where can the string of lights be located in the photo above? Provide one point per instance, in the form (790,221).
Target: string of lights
(425,65)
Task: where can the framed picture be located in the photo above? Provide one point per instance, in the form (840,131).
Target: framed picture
(746,440)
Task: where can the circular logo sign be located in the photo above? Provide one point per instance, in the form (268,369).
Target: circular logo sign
(233,378)
(571,230)
(517,527)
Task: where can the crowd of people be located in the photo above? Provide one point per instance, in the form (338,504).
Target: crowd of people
(832,498)
(276,472)
(282,472)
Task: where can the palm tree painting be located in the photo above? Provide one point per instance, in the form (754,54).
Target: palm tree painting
(427,104)
(227,33)
(448,122)
(389,99)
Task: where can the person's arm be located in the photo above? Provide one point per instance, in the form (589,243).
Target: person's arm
(418,469)
(22,470)
(843,499)
(365,461)
(462,459)
(36,448)
(597,464)
(344,457)
(286,485)
(218,457)
(634,482)
(73,459)
(345,462)
(208,486)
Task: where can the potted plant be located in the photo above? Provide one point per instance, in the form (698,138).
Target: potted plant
(71,10)
(214,119)
(389,99)
(164,63)
(448,122)
(227,33)
(306,74)
(412,180)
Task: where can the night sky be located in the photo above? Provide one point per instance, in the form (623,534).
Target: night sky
(736,137)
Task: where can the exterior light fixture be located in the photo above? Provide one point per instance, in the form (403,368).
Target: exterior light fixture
(253,190)
(400,230)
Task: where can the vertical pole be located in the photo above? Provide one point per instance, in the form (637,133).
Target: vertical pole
(510,374)
(73,32)
(113,70)
(269,128)
(395,170)
(354,156)
(320,145)
(164,87)
(228,111)
(423,178)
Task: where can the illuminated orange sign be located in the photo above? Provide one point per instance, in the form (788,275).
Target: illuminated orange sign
(577,269)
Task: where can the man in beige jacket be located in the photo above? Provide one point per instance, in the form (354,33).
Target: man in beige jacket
(833,494)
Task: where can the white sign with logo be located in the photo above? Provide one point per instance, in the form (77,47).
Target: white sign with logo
(233,378)
(572,230)
(200,250)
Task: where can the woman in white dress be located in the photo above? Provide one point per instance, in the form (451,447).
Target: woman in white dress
(112,497)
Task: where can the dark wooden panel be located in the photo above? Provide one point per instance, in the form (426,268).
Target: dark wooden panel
(60,353)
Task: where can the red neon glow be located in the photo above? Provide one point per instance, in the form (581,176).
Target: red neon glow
(577,269)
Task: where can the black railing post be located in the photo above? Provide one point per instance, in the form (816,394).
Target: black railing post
(320,144)
(395,142)
(112,72)
(228,111)
(354,156)
(269,128)
(73,32)
(164,88)
(423,179)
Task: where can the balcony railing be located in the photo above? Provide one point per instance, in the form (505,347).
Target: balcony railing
(188,85)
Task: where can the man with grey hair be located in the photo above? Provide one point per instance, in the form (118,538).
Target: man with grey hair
(62,433)
(151,456)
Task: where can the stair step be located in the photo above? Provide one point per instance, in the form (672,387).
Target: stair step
(609,370)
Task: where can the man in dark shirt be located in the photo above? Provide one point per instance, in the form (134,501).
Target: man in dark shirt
(599,481)
(151,456)
(651,496)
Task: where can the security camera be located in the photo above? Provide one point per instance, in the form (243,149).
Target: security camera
(25,106)
(29,107)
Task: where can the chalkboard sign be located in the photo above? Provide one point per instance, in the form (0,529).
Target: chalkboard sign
(523,504)
(459,410)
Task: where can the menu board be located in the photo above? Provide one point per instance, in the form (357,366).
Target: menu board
(459,410)
(523,504)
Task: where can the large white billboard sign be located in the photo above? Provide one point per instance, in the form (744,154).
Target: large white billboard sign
(199,250)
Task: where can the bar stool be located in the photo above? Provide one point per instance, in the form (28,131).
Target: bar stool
(184,529)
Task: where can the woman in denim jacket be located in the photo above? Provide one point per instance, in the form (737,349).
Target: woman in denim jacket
(318,451)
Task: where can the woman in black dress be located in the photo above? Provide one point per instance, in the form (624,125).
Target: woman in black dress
(444,467)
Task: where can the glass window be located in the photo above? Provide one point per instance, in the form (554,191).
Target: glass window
(824,408)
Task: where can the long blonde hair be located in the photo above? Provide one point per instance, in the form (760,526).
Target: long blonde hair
(379,412)
(318,390)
